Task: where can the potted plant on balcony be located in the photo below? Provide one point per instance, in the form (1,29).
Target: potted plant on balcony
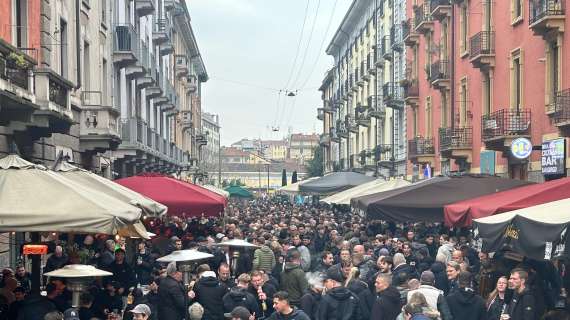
(16,60)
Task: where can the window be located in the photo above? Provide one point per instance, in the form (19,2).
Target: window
(552,72)
(428,118)
(63,62)
(486,93)
(444,109)
(104,85)
(86,67)
(415,122)
(487,15)
(463,29)
(516,79)
(463,100)
(443,42)
(516,11)
(103,11)
(415,63)
(20,23)
(428,54)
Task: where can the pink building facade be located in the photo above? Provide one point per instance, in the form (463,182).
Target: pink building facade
(487,90)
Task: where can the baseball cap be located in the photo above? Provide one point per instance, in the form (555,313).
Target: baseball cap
(71,314)
(238,312)
(141,309)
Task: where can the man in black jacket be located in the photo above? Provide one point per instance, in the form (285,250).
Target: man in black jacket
(209,292)
(387,306)
(238,296)
(464,303)
(522,306)
(327,260)
(122,273)
(172,296)
(339,303)
(284,310)
(263,292)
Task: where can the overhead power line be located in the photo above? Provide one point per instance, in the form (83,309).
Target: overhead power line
(293,67)
(308,45)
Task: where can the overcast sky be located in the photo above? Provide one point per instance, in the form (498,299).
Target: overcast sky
(249,48)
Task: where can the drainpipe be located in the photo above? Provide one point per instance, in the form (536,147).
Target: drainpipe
(452,66)
(78,40)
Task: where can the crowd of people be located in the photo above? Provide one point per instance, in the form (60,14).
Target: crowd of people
(310,262)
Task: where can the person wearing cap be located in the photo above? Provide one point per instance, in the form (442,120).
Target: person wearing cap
(172,295)
(293,278)
(284,310)
(338,298)
(387,306)
(239,313)
(71,314)
(141,312)
(434,297)
(209,292)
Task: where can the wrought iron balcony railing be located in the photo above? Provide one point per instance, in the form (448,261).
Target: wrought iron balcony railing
(455,138)
(439,70)
(505,122)
(482,43)
(540,9)
(420,146)
(562,108)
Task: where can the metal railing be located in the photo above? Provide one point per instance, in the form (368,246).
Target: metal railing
(58,93)
(386,47)
(406,29)
(18,75)
(145,57)
(562,107)
(383,153)
(421,15)
(455,138)
(392,91)
(439,70)
(505,122)
(482,42)
(125,38)
(539,9)
(161,25)
(437,3)
(396,35)
(412,89)
(420,146)
(91,98)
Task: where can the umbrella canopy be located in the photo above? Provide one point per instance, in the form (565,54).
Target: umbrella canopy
(217,190)
(181,198)
(294,187)
(78,271)
(367,188)
(185,255)
(334,182)
(538,232)
(149,207)
(239,243)
(461,214)
(35,199)
(239,192)
(424,201)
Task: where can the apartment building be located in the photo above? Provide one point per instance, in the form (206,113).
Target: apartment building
(302,147)
(487,88)
(363,104)
(210,160)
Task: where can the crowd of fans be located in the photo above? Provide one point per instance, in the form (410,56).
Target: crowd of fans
(311,262)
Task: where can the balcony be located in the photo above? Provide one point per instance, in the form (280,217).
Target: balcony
(99,125)
(439,74)
(376,107)
(351,124)
(421,150)
(561,116)
(186,120)
(482,50)
(370,63)
(440,9)
(499,128)
(144,7)
(134,136)
(397,37)
(17,100)
(146,79)
(456,143)
(335,137)
(363,117)
(201,140)
(53,96)
(547,17)
(341,130)
(383,155)
(412,92)
(364,70)
(182,65)
(409,35)
(126,49)
(328,106)
(393,95)
(320,114)
(161,31)
(422,19)
(358,77)
(386,48)
(325,140)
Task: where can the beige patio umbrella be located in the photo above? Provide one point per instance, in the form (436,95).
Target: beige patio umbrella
(217,190)
(294,187)
(367,188)
(149,207)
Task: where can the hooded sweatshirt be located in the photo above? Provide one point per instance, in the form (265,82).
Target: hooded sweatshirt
(264,259)
(466,305)
(339,304)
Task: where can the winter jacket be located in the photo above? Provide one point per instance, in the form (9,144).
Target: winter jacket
(239,297)
(402,273)
(495,309)
(269,291)
(367,299)
(295,315)
(172,296)
(522,306)
(209,293)
(310,303)
(427,314)
(294,282)
(124,275)
(387,306)
(441,282)
(466,305)
(339,304)
(435,300)
(263,259)
(144,269)
(35,307)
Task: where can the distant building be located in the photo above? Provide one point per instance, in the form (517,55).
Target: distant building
(211,150)
(302,146)
(274,149)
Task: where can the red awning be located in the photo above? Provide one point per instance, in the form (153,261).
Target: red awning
(182,199)
(461,214)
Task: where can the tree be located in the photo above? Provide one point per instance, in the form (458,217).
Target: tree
(284,178)
(315,166)
(294,177)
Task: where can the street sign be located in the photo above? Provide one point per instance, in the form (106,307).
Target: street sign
(521,148)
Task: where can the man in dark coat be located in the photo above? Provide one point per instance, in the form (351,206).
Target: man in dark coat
(284,310)
(209,292)
(263,292)
(387,306)
(143,264)
(339,303)
(240,297)
(464,303)
(35,307)
(327,260)
(122,273)
(172,296)
(56,261)
(293,278)
(522,306)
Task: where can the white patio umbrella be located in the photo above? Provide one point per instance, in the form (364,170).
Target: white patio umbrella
(217,190)
(149,207)
(238,243)
(184,260)
(378,185)
(294,187)
(78,277)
